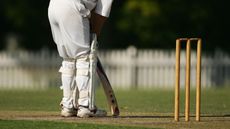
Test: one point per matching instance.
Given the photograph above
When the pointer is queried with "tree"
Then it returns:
(157, 23)
(143, 23)
(27, 19)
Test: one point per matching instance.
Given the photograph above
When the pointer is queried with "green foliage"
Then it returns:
(137, 18)
(143, 23)
(157, 23)
(28, 20)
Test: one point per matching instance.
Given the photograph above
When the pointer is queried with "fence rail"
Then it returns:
(128, 68)
(24, 69)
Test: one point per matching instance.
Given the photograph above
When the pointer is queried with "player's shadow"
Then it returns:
(206, 117)
(143, 116)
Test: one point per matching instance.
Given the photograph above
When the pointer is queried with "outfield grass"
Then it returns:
(28, 100)
(214, 101)
(19, 124)
(140, 108)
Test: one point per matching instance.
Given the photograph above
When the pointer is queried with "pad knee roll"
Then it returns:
(68, 68)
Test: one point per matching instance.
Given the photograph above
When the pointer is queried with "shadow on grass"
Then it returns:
(151, 117)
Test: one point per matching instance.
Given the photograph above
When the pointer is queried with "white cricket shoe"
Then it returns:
(84, 112)
(68, 112)
(65, 112)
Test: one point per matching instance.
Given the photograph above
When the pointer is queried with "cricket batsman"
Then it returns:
(72, 24)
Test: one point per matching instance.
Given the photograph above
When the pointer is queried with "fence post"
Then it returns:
(132, 64)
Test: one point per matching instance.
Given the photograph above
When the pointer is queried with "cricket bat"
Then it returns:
(112, 101)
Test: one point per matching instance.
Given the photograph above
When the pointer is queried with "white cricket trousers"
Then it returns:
(71, 32)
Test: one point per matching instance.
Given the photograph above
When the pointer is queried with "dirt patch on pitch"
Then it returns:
(128, 119)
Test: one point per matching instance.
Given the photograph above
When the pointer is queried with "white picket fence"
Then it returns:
(156, 68)
(128, 68)
(24, 69)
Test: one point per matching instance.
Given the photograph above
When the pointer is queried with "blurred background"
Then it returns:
(137, 44)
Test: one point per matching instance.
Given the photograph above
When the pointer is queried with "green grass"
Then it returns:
(19, 124)
(134, 104)
(214, 101)
(27, 100)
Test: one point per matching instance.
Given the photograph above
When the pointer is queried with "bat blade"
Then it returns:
(112, 101)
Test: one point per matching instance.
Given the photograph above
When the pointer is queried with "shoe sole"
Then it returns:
(66, 114)
(92, 115)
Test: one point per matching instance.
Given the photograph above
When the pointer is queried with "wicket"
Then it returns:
(187, 81)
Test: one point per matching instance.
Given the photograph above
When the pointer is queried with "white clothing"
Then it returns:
(70, 26)
(103, 7)
(75, 70)
(68, 73)
(82, 80)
